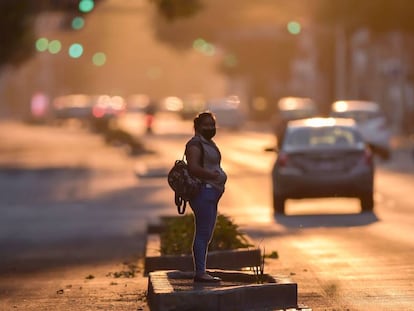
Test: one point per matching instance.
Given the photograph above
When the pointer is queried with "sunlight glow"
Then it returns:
(341, 106)
(318, 122)
(173, 103)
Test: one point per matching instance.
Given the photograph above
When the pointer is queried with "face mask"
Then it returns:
(208, 133)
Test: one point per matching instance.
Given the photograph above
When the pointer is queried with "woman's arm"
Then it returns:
(193, 156)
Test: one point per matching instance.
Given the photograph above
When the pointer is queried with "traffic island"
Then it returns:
(232, 259)
(175, 290)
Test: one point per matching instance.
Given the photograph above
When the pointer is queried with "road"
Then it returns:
(73, 212)
(341, 259)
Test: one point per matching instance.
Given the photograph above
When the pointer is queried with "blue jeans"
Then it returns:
(204, 206)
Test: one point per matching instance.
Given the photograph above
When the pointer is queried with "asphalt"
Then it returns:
(119, 284)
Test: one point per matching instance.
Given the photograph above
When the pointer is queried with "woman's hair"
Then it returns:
(201, 117)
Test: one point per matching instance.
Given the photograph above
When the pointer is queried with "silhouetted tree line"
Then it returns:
(263, 59)
(17, 18)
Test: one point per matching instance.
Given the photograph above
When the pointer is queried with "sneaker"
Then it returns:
(206, 278)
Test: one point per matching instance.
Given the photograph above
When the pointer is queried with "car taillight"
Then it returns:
(98, 112)
(282, 159)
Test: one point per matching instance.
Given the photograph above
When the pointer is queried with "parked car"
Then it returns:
(105, 110)
(138, 103)
(72, 106)
(172, 104)
(323, 157)
(228, 111)
(192, 105)
(106, 107)
(291, 108)
(371, 123)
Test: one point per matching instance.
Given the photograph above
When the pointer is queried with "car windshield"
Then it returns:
(315, 137)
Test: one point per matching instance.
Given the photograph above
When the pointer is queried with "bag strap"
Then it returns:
(179, 201)
(181, 204)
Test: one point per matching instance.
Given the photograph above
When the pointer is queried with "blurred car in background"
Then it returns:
(105, 109)
(39, 108)
(144, 104)
(288, 109)
(106, 106)
(172, 104)
(228, 111)
(323, 157)
(73, 106)
(137, 103)
(371, 123)
(193, 104)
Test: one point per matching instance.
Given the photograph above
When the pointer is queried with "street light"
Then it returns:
(86, 6)
(294, 27)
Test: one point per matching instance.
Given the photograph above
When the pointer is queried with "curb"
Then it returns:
(171, 286)
(175, 290)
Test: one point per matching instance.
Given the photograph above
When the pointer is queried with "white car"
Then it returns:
(228, 111)
(371, 123)
(291, 108)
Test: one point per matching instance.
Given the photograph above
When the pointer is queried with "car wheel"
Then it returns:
(367, 203)
(279, 204)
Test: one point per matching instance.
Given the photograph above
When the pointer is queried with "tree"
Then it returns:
(175, 9)
(250, 37)
(17, 18)
(16, 24)
(379, 17)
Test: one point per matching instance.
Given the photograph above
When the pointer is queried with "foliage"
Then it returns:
(273, 255)
(16, 31)
(378, 15)
(177, 236)
(17, 18)
(259, 270)
(174, 9)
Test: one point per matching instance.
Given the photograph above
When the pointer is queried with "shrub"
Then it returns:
(177, 236)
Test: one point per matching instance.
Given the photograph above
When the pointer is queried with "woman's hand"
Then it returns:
(216, 174)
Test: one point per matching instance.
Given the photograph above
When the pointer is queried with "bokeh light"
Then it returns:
(86, 6)
(154, 73)
(209, 49)
(230, 60)
(294, 28)
(54, 46)
(259, 103)
(42, 44)
(99, 59)
(76, 50)
(204, 47)
(198, 44)
(78, 23)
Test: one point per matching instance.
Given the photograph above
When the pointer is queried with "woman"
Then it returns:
(203, 158)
